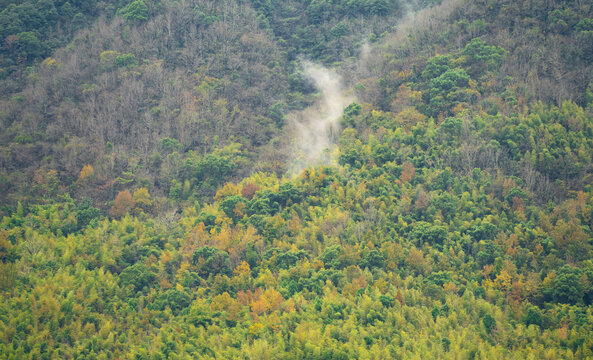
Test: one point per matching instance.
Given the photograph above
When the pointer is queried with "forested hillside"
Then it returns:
(154, 207)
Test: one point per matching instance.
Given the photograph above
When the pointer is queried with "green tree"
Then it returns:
(85, 213)
(489, 323)
(567, 288)
(331, 256)
(137, 276)
(374, 259)
(29, 45)
(448, 82)
(176, 300)
(126, 60)
(212, 261)
(436, 66)
(136, 11)
(229, 204)
(533, 316)
(482, 57)
(432, 234)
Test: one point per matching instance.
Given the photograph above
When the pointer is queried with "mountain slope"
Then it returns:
(449, 217)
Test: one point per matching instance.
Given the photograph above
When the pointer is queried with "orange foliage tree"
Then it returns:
(123, 203)
(408, 172)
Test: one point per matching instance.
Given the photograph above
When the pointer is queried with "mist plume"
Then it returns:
(317, 127)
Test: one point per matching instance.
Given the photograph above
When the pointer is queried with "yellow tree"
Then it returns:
(87, 173)
(142, 200)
